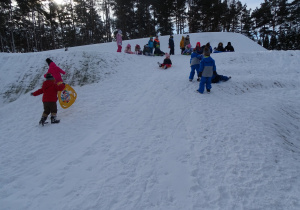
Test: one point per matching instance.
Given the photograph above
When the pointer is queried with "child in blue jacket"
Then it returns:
(195, 63)
(150, 45)
(206, 71)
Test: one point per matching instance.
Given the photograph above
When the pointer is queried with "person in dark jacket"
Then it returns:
(216, 78)
(229, 47)
(206, 71)
(220, 48)
(49, 90)
(167, 62)
(171, 45)
(157, 51)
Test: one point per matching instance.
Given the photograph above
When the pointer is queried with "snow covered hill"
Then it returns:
(139, 137)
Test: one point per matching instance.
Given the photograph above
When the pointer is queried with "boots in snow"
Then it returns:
(42, 121)
(54, 120)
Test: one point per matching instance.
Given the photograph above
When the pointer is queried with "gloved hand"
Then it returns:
(31, 94)
(200, 74)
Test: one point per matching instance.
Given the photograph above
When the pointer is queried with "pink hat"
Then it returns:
(167, 55)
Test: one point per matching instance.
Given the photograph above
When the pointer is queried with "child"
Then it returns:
(220, 48)
(195, 64)
(150, 45)
(206, 71)
(147, 50)
(188, 50)
(138, 50)
(167, 62)
(128, 49)
(119, 41)
(54, 70)
(171, 45)
(198, 48)
(49, 91)
(229, 47)
(157, 51)
(217, 78)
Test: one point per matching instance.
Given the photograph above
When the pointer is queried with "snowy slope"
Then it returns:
(139, 137)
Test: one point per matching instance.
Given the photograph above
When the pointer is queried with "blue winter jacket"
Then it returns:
(150, 44)
(207, 67)
(195, 58)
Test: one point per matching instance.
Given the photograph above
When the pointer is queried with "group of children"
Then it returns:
(202, 63)
(50, 87)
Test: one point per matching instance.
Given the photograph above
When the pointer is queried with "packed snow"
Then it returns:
(140, 137)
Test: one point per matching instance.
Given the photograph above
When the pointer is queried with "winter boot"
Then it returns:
(43, 120)
(54, 120)
(165, 67)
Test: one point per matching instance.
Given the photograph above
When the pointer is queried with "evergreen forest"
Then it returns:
(39, 25)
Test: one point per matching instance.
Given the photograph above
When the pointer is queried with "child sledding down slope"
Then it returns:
(167, 62)
(188, 50)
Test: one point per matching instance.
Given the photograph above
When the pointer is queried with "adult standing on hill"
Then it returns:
(119, 40)
(171, 45)
(54, 70)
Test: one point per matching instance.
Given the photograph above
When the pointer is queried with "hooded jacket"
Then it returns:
(207, 67)
(55, 71)
(49, 91)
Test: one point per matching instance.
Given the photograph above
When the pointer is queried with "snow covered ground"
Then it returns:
(139, 137)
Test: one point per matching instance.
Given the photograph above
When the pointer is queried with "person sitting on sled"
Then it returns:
(157, 51)
(167, 62)
(188, 50)
(229, 47)
(128, 49)
(54, 70)
(147, 50)
(220, 48)
(138, 50)
(49, 90)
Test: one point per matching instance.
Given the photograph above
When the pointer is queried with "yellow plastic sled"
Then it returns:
(67, 97)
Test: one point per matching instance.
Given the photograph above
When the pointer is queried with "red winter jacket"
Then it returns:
(55, 71)
(49, 89)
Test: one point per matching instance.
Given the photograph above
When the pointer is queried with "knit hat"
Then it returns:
(206, 51)
(48, 60)
(49, 76)
(167, 55)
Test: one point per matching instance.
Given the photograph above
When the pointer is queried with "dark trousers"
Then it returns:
(172, 51)
(50, 107)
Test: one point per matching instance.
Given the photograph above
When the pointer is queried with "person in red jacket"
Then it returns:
(49, 91)
(54, 70)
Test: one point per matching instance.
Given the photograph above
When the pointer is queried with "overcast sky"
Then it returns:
(254, 3)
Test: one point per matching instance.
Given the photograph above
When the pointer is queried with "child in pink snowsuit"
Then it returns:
(54, 70)
(119, 40)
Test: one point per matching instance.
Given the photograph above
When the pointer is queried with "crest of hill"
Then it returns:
(240, 42)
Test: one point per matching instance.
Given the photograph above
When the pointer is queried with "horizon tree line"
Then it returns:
(38, 25)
